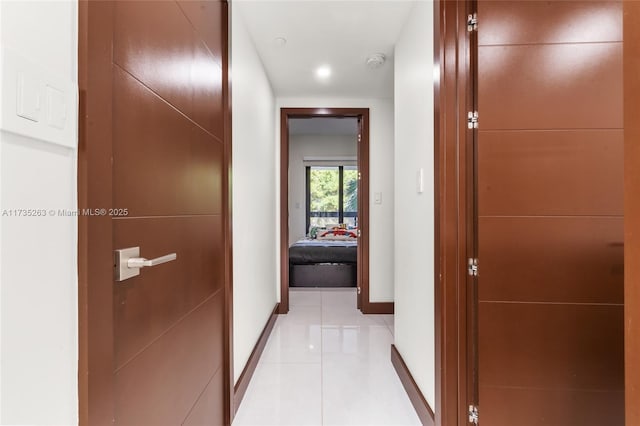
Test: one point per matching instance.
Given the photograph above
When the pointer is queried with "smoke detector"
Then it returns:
(280, 41)
(376, 60)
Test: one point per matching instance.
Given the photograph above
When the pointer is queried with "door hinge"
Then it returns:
(472, 22)
(472, 119)
(474, 416)
(359, 233)
(359, 290)
(359, 176)
(472, 267)
(359, 137)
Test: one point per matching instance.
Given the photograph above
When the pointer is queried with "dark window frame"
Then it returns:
(340, 214)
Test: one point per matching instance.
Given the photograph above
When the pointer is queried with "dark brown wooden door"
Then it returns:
(632, 209)
(550, 213)
(154, 147)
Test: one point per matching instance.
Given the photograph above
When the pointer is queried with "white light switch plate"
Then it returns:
(56, 108)
(377, 196)
(28, 99)
(36, 103)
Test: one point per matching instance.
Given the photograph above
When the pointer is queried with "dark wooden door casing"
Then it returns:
(363, 201)
(452, 97)
(154, 139)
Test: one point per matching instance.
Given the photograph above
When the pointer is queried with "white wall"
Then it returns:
(38, 268)
(1, 422)
(301, 146)
(381, 180)
(254, 197)
(414, 219)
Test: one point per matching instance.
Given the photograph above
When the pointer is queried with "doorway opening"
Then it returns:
(336, 204)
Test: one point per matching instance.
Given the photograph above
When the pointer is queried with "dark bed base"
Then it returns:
(322, 275)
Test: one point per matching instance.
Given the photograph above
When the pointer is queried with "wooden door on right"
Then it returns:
(550, 238)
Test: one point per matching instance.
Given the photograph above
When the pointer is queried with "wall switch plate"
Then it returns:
(28, 96)
(377, 196)
(37, 103)
(56, 108)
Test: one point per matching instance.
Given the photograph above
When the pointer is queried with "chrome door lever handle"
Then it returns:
(127, 262)
(140, 262)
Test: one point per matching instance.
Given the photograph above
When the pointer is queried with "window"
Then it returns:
(332, 195)
(350, 195)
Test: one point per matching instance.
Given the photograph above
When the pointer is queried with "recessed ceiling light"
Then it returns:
(280, 41)
(323, 72)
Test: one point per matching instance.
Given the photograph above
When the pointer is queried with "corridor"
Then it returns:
(326, 363)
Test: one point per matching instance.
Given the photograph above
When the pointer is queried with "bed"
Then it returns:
(324, 262)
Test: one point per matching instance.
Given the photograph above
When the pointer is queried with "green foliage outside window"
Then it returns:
(324, 189)
(350, 179)
(324, 195)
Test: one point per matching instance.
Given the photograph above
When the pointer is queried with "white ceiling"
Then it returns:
(323, 126)
(340, 34)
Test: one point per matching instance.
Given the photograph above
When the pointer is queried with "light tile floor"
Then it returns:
(327, 364)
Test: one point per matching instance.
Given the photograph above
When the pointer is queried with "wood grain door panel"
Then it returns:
(584, 80)
(209, 408)
(552, 346)
(158, 45)
(552, 259)
(565, 407)
(159, 152)
(549, 182)
(201, 13)
(535, 22)
(168, 173)
(154, 301)
(576, 171)
(632, 210)
(163, 163)
(162, 383)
